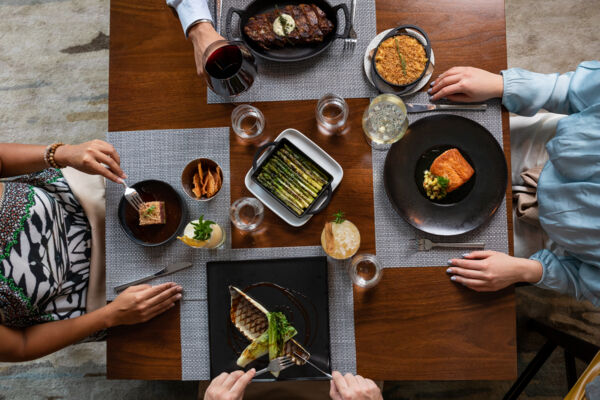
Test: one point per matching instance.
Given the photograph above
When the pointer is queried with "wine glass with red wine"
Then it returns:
(229, 68)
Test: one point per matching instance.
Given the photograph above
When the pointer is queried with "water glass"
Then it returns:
(247, 122)
(365, 270)
(385, 121)
(246, 213)
(332, 115)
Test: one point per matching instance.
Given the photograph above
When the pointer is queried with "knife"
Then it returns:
(169, 269)
(415, 108)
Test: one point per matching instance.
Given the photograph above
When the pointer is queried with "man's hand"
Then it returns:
(202, 35)
(467, 84)
(486, 271)
(350, 387)
(229, 386)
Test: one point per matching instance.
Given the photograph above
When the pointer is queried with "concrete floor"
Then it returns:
(54, 86)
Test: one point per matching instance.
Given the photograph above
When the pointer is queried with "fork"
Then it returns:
(277, 365)
(133, 197)
(352, 38)
(426, 245)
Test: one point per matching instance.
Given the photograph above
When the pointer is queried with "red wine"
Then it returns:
(230, 70)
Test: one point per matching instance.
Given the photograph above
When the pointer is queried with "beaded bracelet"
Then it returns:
(49, 155)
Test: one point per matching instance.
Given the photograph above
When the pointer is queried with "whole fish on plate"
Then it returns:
(269, 332)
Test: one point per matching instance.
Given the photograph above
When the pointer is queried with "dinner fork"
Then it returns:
(352, 38)
(426, 245)
(133, 197)
(277, 365)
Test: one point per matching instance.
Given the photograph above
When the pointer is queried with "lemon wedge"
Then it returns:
(192, 242)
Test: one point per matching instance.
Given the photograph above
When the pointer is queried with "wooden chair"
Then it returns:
(573, 348)
(577, 392)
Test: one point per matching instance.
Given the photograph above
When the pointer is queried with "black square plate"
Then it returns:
(295, 286)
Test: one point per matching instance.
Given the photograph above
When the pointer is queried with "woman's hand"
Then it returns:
(486, 271)
(141, 303)
(351, 387)
(202, 35)
(93, 158)
(229, 386)
(467, 84)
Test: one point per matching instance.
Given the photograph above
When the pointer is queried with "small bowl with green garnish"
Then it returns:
(401, 59)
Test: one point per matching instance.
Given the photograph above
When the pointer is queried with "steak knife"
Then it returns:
(169, 269)
(416, 108)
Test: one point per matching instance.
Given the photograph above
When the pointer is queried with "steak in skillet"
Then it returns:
(311, 27)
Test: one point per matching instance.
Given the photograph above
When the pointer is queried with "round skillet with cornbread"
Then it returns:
(470, 204)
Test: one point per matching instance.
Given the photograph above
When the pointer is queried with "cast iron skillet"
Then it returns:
(288, 53)
(464, 209)
(326, 191)
(383, 85)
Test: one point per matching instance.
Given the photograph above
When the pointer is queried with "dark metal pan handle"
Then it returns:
(259, 152)
(329, 191)
(347, 24)
(228, 20)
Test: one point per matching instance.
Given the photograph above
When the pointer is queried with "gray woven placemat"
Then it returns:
(336, 70)
(195, 352)
(163, 155)
(396, 240)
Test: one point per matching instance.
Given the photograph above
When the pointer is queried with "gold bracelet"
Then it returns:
(49, 155)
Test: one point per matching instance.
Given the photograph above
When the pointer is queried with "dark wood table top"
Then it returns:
(416, 324)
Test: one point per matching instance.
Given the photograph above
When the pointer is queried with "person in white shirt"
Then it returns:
(198, 26)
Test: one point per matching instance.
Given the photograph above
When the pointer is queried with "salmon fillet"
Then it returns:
(452, 165)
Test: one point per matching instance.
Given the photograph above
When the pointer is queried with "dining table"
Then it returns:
(416, 324)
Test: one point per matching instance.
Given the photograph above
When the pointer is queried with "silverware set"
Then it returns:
(280, 363)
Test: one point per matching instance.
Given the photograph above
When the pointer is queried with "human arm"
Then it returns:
(523, 92)
(229, 386)
(487, 270)
(197, 25)
(18, 159)
(353, 387)
(136, 304)
(569, 275)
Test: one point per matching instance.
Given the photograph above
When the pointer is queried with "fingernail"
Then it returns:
(124, 175)
(453, 278)
(450, 262)
(465, 255)
(430, 98)
(449, 271)
(178, 296)
(121, 181)
(429, 91)
(179, 288)
(432, 83)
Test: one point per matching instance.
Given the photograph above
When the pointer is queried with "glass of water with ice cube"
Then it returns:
(385, 121)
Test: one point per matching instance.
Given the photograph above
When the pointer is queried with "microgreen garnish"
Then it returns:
(339, 217)
(149, 211)
(202, 229)
(402, 62)
(443, 181)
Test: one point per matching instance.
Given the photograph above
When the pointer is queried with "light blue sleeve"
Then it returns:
(190, 11)
(526, 92)
(569, 275)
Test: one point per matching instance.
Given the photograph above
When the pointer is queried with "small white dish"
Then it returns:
(373, 44)
(317, 154)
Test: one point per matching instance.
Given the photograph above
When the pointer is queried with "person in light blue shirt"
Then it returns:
(569, 184)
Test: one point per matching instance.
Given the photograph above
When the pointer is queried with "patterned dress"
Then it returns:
(45, 251)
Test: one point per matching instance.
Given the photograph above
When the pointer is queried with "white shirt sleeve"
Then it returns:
(190, 11)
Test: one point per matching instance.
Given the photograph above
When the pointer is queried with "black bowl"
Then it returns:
(381, 83)
(153, 235)
(466, 208)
